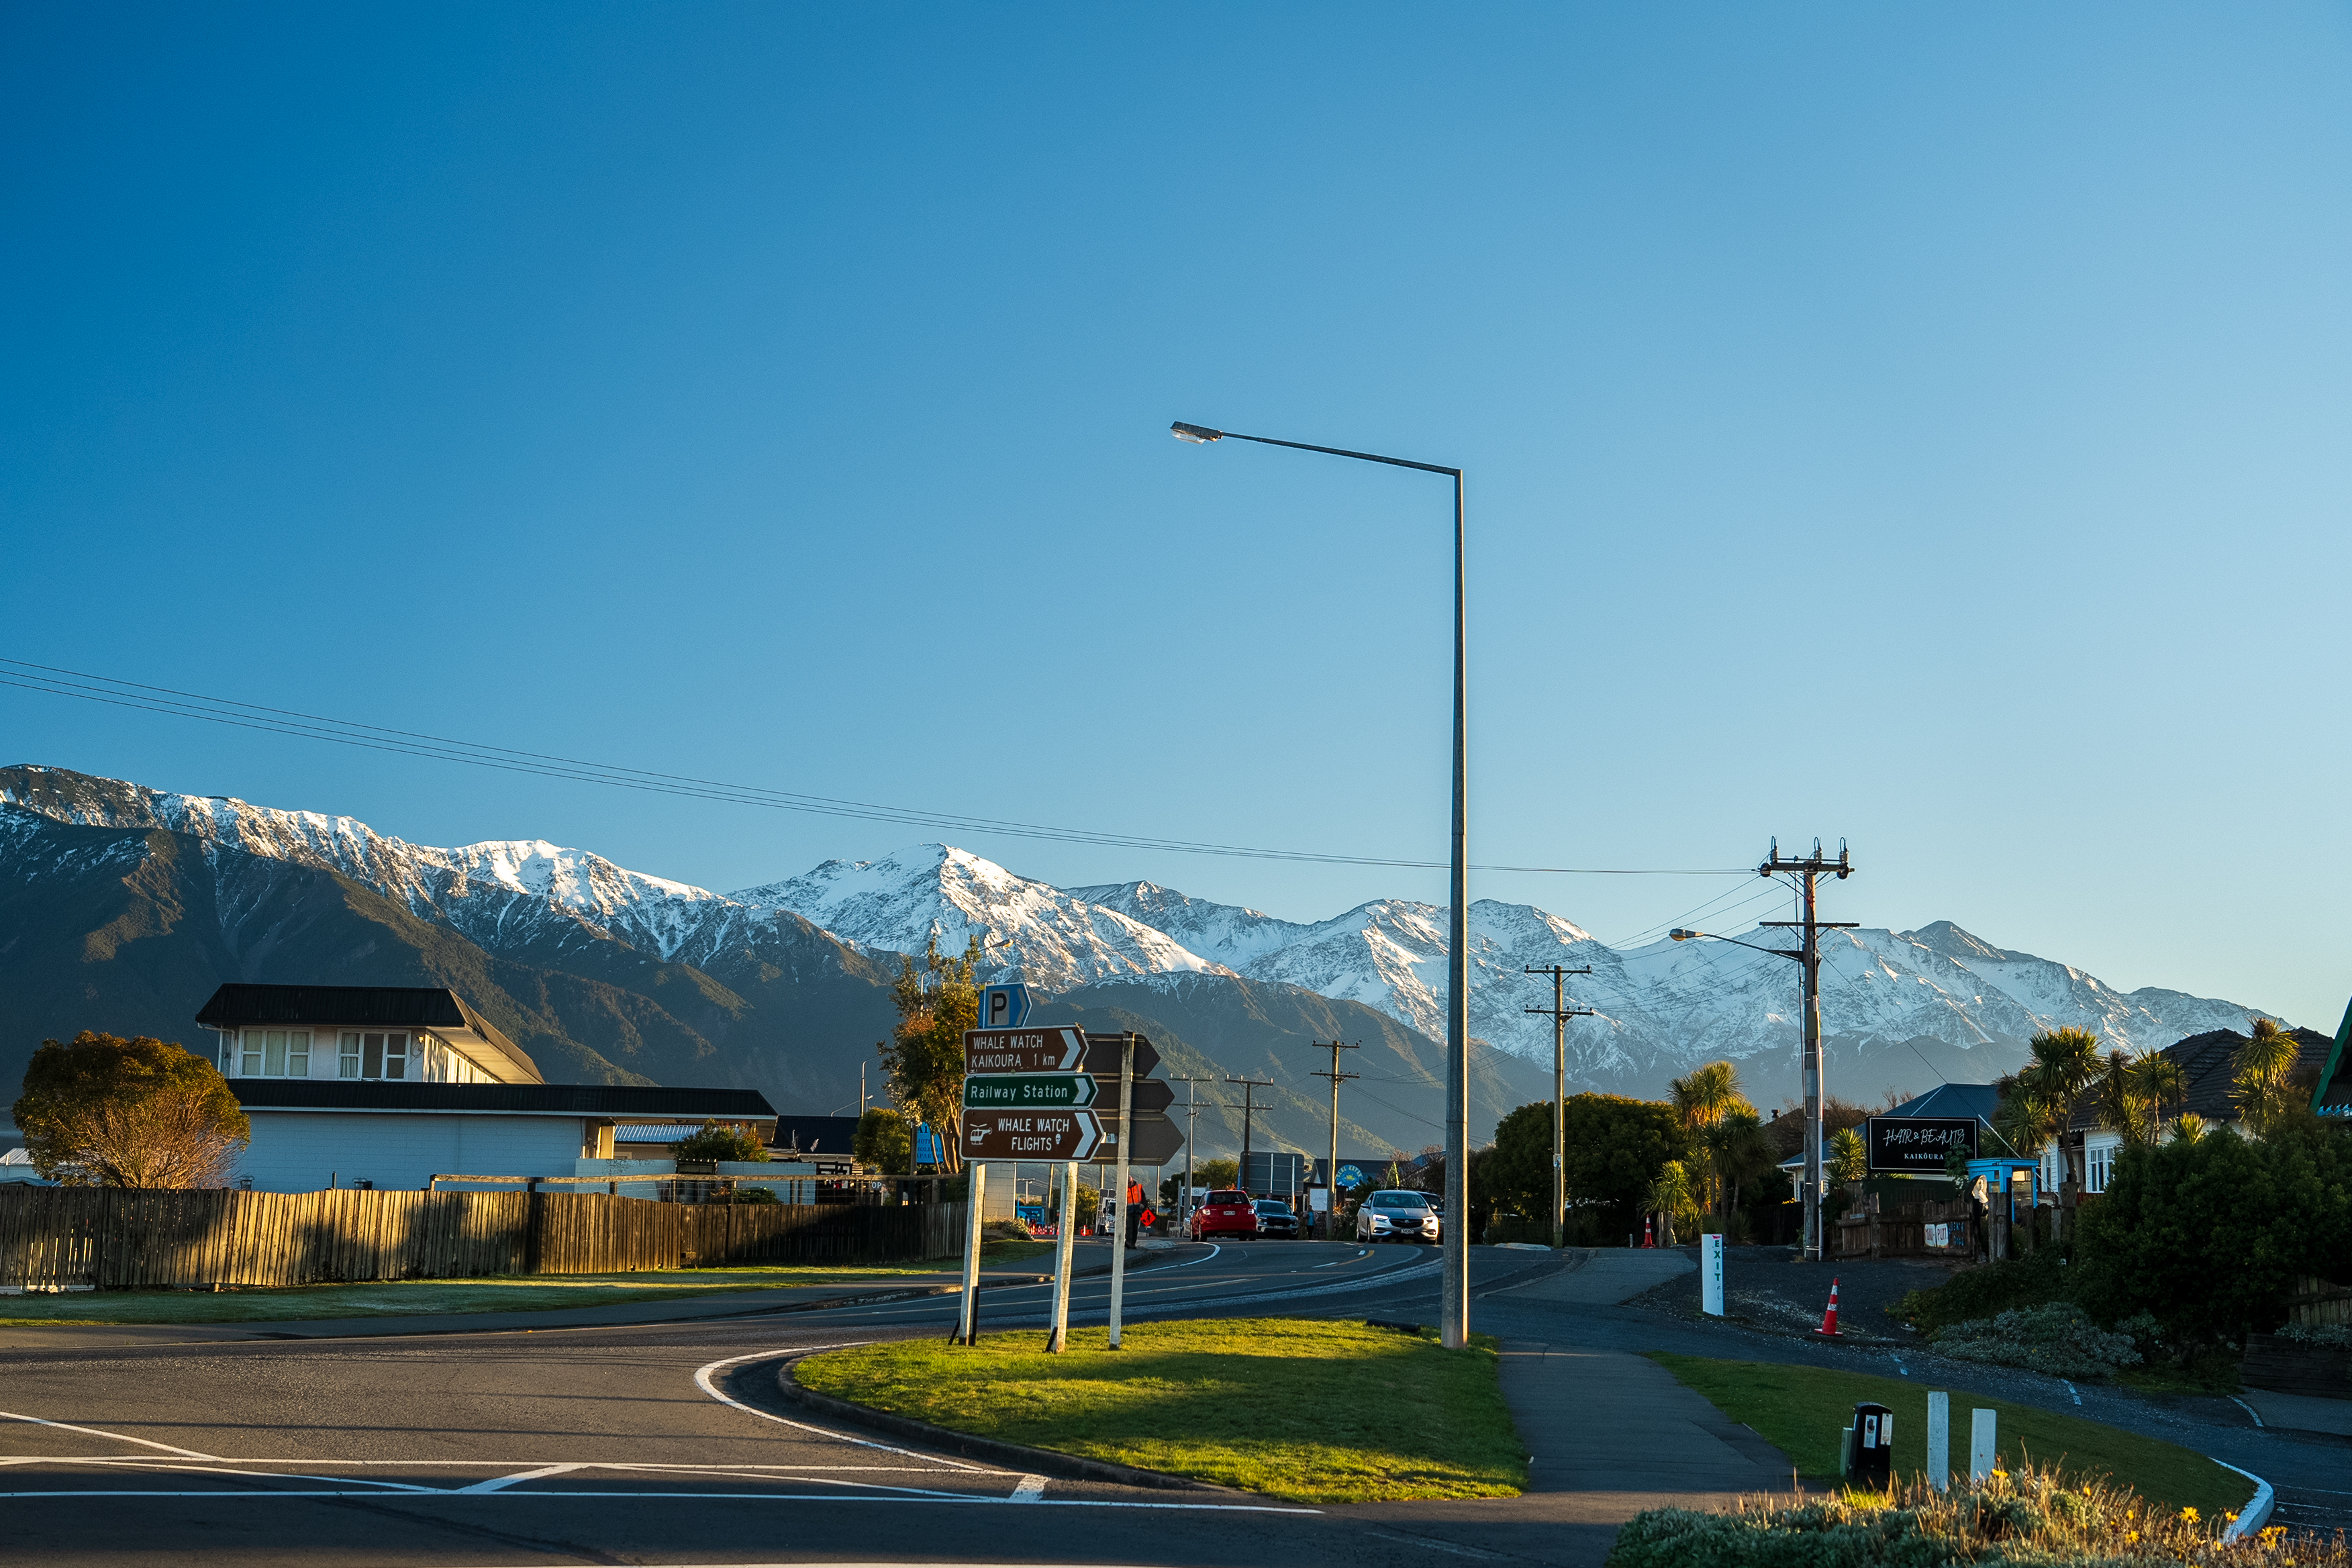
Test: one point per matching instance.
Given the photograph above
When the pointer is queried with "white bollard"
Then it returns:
(1939, 1441)
(1982, 1441)
(1710, 1275)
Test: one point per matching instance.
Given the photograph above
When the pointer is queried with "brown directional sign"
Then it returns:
(1150, 1093)
(1157, 1140)
(1103, 1052)
(1031, 1134)
(1025, 1051)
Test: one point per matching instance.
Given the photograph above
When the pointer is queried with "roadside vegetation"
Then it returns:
(403, 1298)
(2023, 1517)
(1800, 1410)
(1310, 1412)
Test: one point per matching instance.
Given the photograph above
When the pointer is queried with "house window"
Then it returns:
(273, 1053)
(2099, 1166)
(365, 1054)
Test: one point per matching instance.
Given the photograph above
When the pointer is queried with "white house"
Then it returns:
(389, 1087)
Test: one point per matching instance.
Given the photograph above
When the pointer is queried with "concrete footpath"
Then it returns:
(1609, 1434)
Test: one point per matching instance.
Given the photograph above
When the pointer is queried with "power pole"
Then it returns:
(1807, 871)
(1250, 1087)
(1191, 1110)
(1560, 1015)
(1331, 1171)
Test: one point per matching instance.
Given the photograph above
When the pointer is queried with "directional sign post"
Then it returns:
(992, 1051)
(1068, 1090)
(1003, 1006)
(1040, 1135)
(1157, 1139)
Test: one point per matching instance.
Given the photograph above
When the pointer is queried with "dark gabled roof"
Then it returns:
(435, 1007)
(615, 1101)
(815, 1135)
(2210, 1062)
(1953, 1101)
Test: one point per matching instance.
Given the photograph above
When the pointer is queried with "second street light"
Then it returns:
(1455, 1314)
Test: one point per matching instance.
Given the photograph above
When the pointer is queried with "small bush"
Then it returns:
(2024, 1518)
(1987, 1290)
(2057, 1338)
(2327, 1336)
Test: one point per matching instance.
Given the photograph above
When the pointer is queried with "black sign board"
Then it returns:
(1916, 1145)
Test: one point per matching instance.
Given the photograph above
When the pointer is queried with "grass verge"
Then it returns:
(1310, 1412)
(1801, 1409)
(404, 1297)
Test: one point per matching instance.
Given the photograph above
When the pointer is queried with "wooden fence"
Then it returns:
(107, 1238)
(1904, 1231)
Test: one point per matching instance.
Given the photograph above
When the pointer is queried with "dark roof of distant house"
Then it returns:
(1954, 1101)
(435, 1007)
(2209, 1061)
(815, 1135)
(617, 1103)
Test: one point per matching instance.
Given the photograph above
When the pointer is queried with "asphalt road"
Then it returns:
(670, 1443)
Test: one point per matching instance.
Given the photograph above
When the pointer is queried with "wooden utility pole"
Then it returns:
(1192, 1111)
(1331, 1171)
(1560, 1015)
(1807, 871)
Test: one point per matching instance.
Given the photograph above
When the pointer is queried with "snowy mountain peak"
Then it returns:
(935, 893)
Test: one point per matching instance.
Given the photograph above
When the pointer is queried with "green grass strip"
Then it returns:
(403, 1298)
(1309, 1412)
(1800, 1410)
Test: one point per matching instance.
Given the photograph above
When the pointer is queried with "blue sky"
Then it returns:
(1923, 427)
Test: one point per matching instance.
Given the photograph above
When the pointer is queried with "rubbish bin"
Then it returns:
(1872, 1453)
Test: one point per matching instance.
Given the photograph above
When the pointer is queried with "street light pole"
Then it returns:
(1455, 1311)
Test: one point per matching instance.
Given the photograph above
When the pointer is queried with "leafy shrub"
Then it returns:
(2023, 1518)
(714, 1142)
(2057, 1338)
(2211, 1237)
(1987, 1290)
(2327, 1336)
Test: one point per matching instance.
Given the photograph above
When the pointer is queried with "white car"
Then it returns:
(1397, 1216)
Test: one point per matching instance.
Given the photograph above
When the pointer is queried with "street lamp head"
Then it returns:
(1199, 435)
(1681, 935)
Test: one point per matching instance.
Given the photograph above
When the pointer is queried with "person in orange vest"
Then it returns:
(1134, 1209)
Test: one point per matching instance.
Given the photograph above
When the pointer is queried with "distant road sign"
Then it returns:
(1157, 1139)
(1150, 1093)
(1350, 1177)
(1103, 1053)
(1030, 1134)
(1024, 1050)
(1040, 1091)
(1003, 1006)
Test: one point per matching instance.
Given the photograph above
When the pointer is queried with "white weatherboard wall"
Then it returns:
(299, 1151)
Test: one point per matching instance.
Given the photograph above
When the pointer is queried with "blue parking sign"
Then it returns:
(1003, 1006)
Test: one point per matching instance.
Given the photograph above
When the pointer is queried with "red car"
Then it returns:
(1227, 1214)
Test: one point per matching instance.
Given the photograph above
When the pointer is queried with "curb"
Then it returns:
(1013, 1456)
(2256, 1512)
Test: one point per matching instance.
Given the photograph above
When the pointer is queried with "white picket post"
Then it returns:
(1939, 1441)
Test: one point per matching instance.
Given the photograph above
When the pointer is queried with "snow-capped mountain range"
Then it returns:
(1659, 1008)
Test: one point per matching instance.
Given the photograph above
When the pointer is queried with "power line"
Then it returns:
(57, 682)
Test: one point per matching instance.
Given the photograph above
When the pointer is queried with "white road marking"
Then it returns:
(2073, 1390)
(2247, 1408)
(94, 1432)
(702, 1381)
(500, 1483)
(984, 1500)
(1031, 1489)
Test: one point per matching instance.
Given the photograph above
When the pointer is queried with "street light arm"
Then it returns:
(1681, 935)
(1201, 435)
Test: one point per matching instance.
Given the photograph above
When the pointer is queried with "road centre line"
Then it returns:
(117, 1437)
(500, 1483)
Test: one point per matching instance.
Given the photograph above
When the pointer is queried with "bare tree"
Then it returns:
(172, 1138)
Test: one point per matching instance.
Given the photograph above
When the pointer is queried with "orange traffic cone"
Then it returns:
(1828, 1318)
(1647, 1239)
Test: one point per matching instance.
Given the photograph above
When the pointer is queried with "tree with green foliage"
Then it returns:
(1671, 1199)
(1848, 1161)
(1517, 1172)
(716, 1141)
(1616, 1148)
(102, 1111)
(1706, 1099)
(924, 1055)
(2263, 1065)
(2211, 1233)
(883, 1141)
